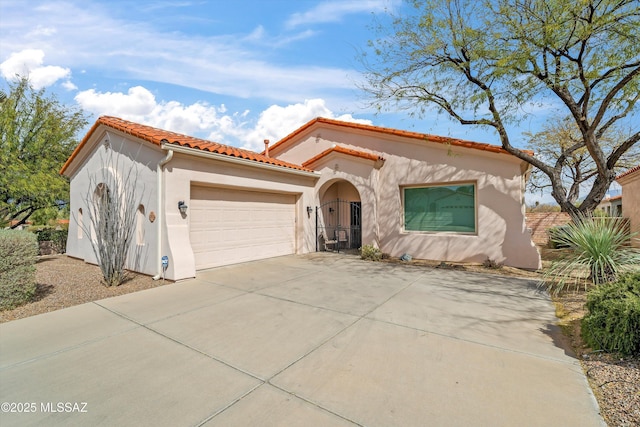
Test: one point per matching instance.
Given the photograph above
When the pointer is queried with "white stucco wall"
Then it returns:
(180, 173)
(501, 234)
(631, 203)
(128, 153)
(183, 171)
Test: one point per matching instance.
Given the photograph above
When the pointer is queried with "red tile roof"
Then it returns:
(397, 132)
(612, 198)
(629, 172)
(158, 136)
(343, 150)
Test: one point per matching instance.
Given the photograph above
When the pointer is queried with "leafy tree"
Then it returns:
(37, 135)
(483, 62)
(558, 143)
(44, 216)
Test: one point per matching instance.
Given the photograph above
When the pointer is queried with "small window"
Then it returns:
(436, 208)
(80, 223)
(101, 210)
(140, 225)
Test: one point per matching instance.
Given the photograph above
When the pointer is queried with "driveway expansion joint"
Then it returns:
(154, 331)
(315, 374)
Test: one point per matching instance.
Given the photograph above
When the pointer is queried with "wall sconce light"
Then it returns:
(182, 207)
(331, 210)
(309, 210)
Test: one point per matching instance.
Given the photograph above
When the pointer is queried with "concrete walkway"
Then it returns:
(315, 340)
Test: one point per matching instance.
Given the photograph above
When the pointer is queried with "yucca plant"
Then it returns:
(599, 252)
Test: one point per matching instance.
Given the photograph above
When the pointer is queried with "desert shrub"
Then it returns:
(613, 321)
(112, 199)
(58, 238)
(18, 251)
(554, 233)
(492, 264)
(371, 253)
(598, 253)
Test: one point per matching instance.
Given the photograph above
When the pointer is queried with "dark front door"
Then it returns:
(355, 229)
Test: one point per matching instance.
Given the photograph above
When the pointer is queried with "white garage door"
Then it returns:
(229, 226)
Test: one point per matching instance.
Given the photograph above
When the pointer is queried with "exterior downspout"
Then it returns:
(160, 218)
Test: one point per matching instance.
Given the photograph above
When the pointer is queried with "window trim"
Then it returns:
(440, 184)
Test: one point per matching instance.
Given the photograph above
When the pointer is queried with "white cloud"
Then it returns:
(89, 35)
(140, 105)
(277, 122)
(42, 31)
(69, 86)
(336, 10)
(29, 63)
(203, 120)
(135, 104)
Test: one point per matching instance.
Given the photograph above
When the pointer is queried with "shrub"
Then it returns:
(554, 233)
(18, 251)
(598, 253)
(112, 199)
(492, 264)
(613, 321)
(371, 253)
(58, 238)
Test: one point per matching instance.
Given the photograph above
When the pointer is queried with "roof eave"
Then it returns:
(377, 160)
(629, 174)
(393, 132)
(76, 151)
(236, 160)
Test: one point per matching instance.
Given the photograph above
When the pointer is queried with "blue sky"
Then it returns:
(233, 71)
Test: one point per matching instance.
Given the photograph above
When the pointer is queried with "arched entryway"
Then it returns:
(339, 218)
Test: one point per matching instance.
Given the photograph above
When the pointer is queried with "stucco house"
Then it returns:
(330, 185)
(611, 206)
(630, 183)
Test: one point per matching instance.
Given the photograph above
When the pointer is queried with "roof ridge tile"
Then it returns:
(344, 150)
(390, 131)
(158, 136)
(628, 172)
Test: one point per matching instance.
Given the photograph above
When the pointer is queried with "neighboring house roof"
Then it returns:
(395, 132)
(160, 136)
(343, 150)
(612, 199)
(629, 172)
(17, 221)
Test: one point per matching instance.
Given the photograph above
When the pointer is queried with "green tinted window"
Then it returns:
(440, 208)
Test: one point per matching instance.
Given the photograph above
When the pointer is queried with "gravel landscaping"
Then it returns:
(65, 282)
(615, 380)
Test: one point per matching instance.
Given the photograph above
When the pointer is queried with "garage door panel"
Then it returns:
(230, 226)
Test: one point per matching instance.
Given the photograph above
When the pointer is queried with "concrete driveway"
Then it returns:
(315, 340)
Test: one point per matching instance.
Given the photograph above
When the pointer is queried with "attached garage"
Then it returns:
(229, 226)
(245, 206)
